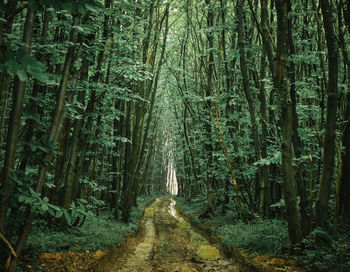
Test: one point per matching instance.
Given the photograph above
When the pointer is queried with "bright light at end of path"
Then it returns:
(171, 183)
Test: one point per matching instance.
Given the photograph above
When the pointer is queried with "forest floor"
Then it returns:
(165, 242)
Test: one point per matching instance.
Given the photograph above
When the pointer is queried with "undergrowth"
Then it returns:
(265, 236)
(325, 253)
(320, 253)
(259, 236)
(98, 232)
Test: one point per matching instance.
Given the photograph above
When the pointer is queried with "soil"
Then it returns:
(165, 242)
(168, 244)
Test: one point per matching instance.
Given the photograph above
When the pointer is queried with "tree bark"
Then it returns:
(305, 213)
(321, 215)
(52, 137)
(289, 186)
(208, 129)
(14, 125)
(265, 195)
(248, 94)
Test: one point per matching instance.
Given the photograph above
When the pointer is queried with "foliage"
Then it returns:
(98, 232)
(192, 208)
(262, 236)
(100, 99)
(322, 253)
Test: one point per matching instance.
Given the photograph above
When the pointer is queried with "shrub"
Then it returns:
(98, 232)
(321, 253)
(262, 236)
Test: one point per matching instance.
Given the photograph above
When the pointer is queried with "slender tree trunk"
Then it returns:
(14, 125)
(70, 180)
(265, 195)
(52, 137)
(154, 92)
(247, 92)
(321, 215)
(289, 185)
(299, 176)
(208, 129)
(115, 161)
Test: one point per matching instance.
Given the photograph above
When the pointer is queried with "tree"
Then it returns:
(323, 195)
(289, 185)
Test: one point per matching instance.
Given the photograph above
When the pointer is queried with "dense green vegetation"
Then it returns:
(98, 232)
(247, 102)
(269, 237)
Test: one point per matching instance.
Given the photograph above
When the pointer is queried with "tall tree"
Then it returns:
(321, 216)
(19, 87)
(289, 185)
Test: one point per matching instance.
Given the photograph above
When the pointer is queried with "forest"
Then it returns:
(239, 109)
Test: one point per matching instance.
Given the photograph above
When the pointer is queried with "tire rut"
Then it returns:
(170, 245)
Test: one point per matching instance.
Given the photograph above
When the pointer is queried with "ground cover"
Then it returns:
(265, 243)
(57, 247)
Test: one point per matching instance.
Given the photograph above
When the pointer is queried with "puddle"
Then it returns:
(203, 248)
(149, 212)
(208, 252)
(172, 209)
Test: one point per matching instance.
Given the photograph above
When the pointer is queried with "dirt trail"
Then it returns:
(169, 244)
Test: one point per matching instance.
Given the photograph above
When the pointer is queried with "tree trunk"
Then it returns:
(265, 195)
(14, 125)
(289, 186)
(248, 94)
(52, 137)
(305, 213)
(321, 215)
(73, 150)
(208, 129)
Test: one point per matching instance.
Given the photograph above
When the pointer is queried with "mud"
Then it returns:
(167, 243)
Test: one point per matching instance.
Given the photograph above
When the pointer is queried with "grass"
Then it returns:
(98, 232)
(322, 252)
(259, 236)
(265, 236)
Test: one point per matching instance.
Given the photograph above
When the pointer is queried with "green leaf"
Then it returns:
(82, 200)
(279, 204)
(44, 207)
(41, 77)
(94, 6)
(22, 198)
(22, 75)
(32, 147)
(52, 212)
(54, 207)
(59, 214)
(43, 148)
(68, 216)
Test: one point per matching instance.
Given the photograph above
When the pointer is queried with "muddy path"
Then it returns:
(166, 242)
